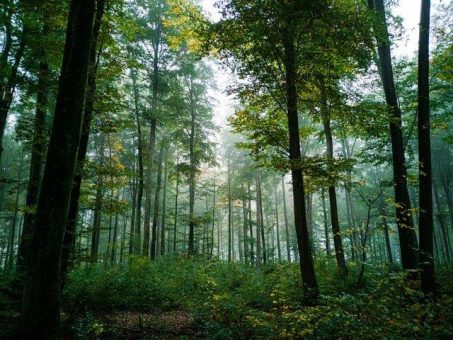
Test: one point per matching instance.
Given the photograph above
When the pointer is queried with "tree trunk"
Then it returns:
(230, 213)
(96, 232)
(157, 202)
(40, 312)
(310, 285)
(285, 213)
(387, 237)
(440, 219)
(192, 170)
(426, 225)
(133, 191)
(252, 255)
(337, 241)
(164, 210)
(152, 143)
(279, 252)
(69, 236)
(135, 237)
(38, 150)
(406, 232)
(326, 226)
(245, 227)
(175, 225)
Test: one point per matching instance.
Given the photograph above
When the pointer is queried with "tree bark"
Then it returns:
(310, 285)
(40, 312)
(157, 202)
(69, 236)
(285, 213)
(426, 225)
(337, 240)
(404, 220)
(164, 209)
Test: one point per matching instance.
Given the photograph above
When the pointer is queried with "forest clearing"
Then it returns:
(231, 169)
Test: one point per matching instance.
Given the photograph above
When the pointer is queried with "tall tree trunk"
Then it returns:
(252, 255)
(326, 225)
(245, 227)
(157, 202)
(40, 312)
(152, 142)
(310, 285)
(115, 233)
(69, 236)
(406, 232)
(96, 232)
(230, 214)
(279, 251)
(37, 158)
(285, 213)
(164, 209)
(133, 191)
(337, 241)
(175, 224)
(136, 235)
(192, 170)
(426, 225)
(259, 221)
(214, 203)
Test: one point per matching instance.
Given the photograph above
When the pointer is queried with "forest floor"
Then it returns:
(177, 298)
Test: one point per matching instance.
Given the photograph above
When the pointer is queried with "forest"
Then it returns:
(226, 169)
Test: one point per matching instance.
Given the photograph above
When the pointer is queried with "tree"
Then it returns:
(407, 237)
(40, 312)
(424, 153)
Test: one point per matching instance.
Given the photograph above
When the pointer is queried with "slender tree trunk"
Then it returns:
(326, 225)
(152, 142)
(426, 225)
(337, 240)
(192, 170)
(175, 225)
(230, 215)
(136, 236)
(96, 232)
(285, 213)
(440, 219)
(406, 232)
(157, 202)
(133, 191)
(279, 252)
(387, 237)
(214, 203)
(164, 210)
(310, 285)
(252, 255)
(245, 227)
(40, 312)
(259, 221)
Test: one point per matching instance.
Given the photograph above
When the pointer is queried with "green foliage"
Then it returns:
(238, 301)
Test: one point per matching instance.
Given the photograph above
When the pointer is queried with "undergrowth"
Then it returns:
(233, 300)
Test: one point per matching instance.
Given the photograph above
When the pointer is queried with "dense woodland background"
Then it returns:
(324, 209)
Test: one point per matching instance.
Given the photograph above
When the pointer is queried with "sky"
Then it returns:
(409, 10)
